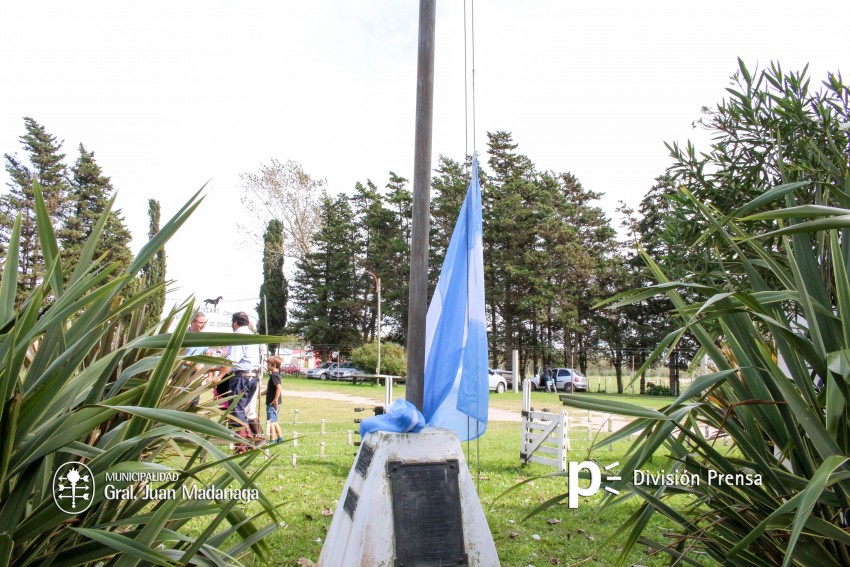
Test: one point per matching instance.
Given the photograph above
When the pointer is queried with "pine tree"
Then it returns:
(89, 195)
(45, 165)
(395, 269)
(274, 291)
(153, 273)
(327, 290)
(510, 227)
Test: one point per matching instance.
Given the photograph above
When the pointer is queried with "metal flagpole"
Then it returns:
(418, 294)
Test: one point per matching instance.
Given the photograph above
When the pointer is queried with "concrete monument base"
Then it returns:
(409, 501)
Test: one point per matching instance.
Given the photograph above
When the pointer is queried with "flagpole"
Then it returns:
(418, 293)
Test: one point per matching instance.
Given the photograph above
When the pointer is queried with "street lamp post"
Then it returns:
(378, 331)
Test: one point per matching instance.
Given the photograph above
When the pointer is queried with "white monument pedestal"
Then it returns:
(417, 484)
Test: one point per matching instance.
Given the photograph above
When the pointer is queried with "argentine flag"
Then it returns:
(456, 381)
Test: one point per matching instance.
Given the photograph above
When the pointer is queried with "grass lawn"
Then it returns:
(308, 491)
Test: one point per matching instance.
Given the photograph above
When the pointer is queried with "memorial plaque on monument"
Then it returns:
(364, 459)
(426, 514)
(350, 504)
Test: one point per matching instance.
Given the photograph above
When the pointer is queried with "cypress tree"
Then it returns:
(153, 273)
(274, 291)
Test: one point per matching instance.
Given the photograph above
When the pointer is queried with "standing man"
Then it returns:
(199, 321)
(241, 375)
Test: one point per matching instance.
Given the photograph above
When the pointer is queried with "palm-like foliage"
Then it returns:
(780, 393)
(82, 380)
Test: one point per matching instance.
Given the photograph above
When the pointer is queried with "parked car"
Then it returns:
(497, 383)
(290, 369)
(566, 380)
(508, 375)
(322, 372)
(346, 371)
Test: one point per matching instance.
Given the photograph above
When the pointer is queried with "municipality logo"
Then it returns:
(575, 489)
(73, 488)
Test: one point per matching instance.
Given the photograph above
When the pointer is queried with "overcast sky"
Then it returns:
(170, 95)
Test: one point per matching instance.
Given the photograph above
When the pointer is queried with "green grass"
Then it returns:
(307, 493)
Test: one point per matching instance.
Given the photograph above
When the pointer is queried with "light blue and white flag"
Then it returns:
(456, 381)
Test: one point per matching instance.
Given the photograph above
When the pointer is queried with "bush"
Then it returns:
(393, 358)
(653, 390)
(769, 303)
(82, 381)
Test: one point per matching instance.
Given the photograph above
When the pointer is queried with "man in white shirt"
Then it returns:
(241, 376)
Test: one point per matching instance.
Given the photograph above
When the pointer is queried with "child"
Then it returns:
(274, 393)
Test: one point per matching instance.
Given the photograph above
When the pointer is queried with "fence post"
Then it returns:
(294, 438)
(589, 422)
(294, 460)
(350, 437)
(323, 426)
(322, 449)
(295, 416)
(563, 442)
(526, 395)
(515, 369)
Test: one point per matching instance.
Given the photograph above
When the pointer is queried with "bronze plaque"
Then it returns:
(426, 514)
(364, 459)
(350, 503)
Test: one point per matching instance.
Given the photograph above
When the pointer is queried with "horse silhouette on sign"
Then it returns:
(213, 302)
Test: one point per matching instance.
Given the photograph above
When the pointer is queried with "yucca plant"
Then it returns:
(81, 381)
(776, 402)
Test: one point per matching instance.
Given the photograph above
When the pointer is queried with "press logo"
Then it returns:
(574, 489)
(73, 488)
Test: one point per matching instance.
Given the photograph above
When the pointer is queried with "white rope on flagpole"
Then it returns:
(466, 102)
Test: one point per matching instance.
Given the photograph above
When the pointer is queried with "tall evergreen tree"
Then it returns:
(596, 244)
(45, 165)
(510, 232)
(274, 291)
(153, 273)
(395, 272)
(374, 223)
(448, 189)
(327, 289)
(89, 195)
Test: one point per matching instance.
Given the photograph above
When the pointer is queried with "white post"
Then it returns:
(526, 395)
(323, 426)
(294, 460)
(515, 369)
(388, 391)
(294, 438)
(322, 449)
(378, 323)
(350, 437)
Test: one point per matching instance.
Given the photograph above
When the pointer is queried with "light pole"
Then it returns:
(378, 331)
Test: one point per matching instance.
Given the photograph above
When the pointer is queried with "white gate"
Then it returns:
(544, 435)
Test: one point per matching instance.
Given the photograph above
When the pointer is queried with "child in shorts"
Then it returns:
(274, 394)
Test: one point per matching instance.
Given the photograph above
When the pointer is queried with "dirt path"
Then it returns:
(578, 418)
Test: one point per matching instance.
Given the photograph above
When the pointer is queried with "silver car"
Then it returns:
(566, 380)
(497, 383)
(322, 372)
(346, 371)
